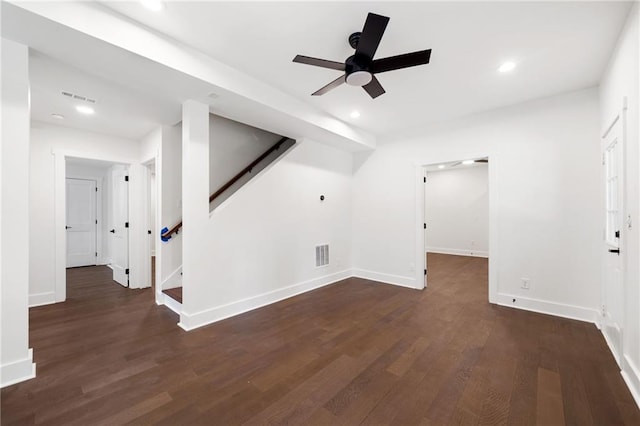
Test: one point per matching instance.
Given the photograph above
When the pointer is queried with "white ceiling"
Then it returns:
(558, 46)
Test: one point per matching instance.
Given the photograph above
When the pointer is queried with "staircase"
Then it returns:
(173, 296)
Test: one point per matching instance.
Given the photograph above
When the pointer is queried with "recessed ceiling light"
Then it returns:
(355, 114)
(155, 5)
(468, 161)
(507, 66)
(441, 166)
(84, 109)
(58, 116)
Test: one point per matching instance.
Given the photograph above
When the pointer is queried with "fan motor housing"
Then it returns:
(356, 73)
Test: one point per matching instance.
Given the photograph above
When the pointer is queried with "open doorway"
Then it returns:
(456, 219)
(96, 216)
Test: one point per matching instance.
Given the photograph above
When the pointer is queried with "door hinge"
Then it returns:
(126, 178)
(96, 221)
(425, 272)
(149, 231)
(96, 254)
(617, 234)
(425, 226)
(425, 179)
(126, 224)
(126, 271)
(96, 189)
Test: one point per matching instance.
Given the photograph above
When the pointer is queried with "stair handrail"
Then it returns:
(166, 234)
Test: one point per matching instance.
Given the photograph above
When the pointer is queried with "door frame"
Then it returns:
(619, 119)
(59, 195)
(420, 257)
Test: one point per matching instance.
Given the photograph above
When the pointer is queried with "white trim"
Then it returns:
(612, 338)
(457, 252)
(191, 321)
(631, 375)
(40, 299)
(174, 280)
(171, 303)
(549, 308)
(18, 371)
(398, 280)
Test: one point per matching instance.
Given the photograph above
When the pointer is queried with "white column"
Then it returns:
(15, 356)
(195, 202)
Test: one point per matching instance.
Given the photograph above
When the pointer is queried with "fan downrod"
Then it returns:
(354, 39)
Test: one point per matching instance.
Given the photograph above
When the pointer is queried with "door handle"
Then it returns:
(67, 227)
(615, 251)
(113, 231)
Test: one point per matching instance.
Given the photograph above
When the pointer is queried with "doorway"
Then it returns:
(613, 303)
(456, 216)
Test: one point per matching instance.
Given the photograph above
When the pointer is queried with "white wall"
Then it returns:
(233, 146)
(16, 360)
(621, 80)
(47, 143)
(457, 211)
(260, 244)
(545, 201)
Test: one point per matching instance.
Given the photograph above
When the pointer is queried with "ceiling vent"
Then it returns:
(78, 97)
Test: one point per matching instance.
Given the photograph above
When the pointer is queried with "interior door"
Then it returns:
(613, 288)
(81, 228)
(120, 225)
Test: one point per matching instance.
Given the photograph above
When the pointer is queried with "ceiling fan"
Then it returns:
(360, 67)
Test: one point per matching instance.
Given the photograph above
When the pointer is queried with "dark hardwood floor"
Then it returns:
(355, 352)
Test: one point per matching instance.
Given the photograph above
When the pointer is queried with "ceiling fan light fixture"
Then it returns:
(467, 162)
(359, 78)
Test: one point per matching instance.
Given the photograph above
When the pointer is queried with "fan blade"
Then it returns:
(482, 160)
(401, 61)
(374, 88)
(335, 83)
(319, 62)
(370, 38)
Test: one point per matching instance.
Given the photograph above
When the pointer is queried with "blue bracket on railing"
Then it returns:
(162, 231)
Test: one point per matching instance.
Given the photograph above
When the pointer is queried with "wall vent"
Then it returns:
(78, 97)
(322, 255)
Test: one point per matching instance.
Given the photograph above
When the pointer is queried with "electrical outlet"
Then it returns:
(526, 283)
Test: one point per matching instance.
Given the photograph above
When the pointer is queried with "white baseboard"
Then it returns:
(192, 321)
(174, 280)
(631, 375)
(18, 371)
(41, 299)
(172, 304)
(458, 252)
(550, 308)
(398, 280)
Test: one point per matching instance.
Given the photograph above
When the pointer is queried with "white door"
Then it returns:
(613, 290)
(120, 225)
(81, 222)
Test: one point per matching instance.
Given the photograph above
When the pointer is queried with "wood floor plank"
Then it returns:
(356, 352)
(549, 410)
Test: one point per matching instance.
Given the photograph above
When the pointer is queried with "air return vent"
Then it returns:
(322, 255)
(78, 97)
